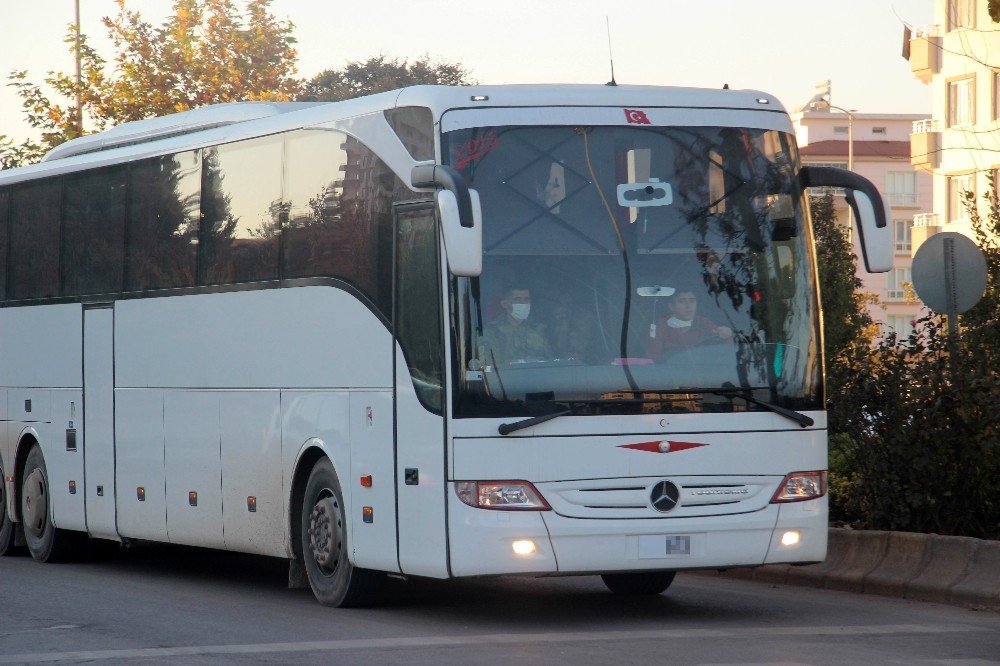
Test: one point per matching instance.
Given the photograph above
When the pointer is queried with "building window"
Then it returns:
(901, 188)
(840, 129)
(996, 94)
(957, 187)
(901, 326)
(901, 235)
(962, 102)
(898, 277)
(961, 14)
(879, 130)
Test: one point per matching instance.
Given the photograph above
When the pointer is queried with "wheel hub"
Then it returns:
(34, 503)
(325, 528)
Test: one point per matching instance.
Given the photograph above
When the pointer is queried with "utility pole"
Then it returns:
(79, 77)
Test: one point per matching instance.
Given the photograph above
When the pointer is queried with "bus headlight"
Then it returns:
(502, 495)
(801, 486)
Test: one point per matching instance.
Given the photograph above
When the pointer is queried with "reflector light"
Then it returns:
(524, 547)
(479, 98)
(501, 495)
(366, 481)
(800, 486)
(367, 514)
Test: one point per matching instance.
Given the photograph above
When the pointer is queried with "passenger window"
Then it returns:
(163, 211)
(94, 232)
(242, 212)
(34, 237)
(4, 217)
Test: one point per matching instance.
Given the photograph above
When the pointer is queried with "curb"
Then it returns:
(961, 571)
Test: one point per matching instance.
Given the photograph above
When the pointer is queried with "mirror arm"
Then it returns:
(816, 176)
(438, 175)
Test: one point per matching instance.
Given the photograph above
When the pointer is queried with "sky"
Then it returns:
(780, 46)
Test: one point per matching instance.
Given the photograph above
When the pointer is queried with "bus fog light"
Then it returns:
(524, 547)
(790, 538)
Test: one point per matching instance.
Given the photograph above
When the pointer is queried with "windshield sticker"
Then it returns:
(641, 195)
(475, 148)
(635, 117)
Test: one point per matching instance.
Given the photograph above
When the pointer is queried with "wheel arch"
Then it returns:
(312, 452)
(27, 439)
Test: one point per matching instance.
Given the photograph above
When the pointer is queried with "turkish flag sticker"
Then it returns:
(636, 117)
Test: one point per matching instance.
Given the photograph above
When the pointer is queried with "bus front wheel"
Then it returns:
(636, 584)
(333, 579)
(46, 543)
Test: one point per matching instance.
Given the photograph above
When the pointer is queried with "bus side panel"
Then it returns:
(423, 539)
(251, 485)
(193, 466)
(373, 541)
(142, 511)
(41, 351)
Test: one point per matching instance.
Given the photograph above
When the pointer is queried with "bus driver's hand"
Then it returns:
(724, 333)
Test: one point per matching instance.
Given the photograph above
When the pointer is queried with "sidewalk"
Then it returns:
(927, 567)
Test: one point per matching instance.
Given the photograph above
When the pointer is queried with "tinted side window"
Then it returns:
(35, 239)
(241, 212)
(94, 232)
(163, 210)
(414, 125)
(4, 230)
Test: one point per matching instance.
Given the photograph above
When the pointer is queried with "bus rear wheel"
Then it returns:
(46, 543)
(332, 577)
(638, 584)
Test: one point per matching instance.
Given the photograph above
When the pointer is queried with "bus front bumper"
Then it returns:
(487, 542)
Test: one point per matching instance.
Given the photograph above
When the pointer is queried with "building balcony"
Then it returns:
(925, 225)
(925, 52)
(902, 199)
(925, 144)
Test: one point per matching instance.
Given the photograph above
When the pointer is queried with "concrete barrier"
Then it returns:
(927, 567)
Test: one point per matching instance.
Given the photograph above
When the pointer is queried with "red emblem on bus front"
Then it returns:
(664, 446)
(635, 117)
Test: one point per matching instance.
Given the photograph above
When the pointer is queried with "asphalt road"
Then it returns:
(158, 604)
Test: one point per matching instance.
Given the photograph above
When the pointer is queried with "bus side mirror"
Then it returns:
(870, 212)
(460, 214)
(463, 245)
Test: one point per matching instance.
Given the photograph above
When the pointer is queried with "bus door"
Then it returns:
(99, 418)
(418, 330)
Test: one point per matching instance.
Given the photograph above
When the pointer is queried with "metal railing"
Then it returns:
(902, 199)
(929, 30)
(927, 220)
(926, 125)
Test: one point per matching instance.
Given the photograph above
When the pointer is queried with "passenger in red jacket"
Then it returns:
(684, 328)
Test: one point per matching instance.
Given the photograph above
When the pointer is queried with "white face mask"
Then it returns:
(520, 311)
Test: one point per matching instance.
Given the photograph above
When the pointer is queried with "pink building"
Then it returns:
(881, 147)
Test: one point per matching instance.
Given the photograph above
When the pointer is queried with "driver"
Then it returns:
(514, 335)
(684, 328)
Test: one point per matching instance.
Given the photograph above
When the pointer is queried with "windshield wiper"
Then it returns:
(507, 428)
(798, 417)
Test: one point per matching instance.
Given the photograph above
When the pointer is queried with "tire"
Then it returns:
(333, 579)
(7, 527)
(639, 584)
(45, 542)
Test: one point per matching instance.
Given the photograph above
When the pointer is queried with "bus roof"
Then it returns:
(222, 123)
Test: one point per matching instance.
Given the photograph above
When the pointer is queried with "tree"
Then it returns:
(206, 52)
(379, 74)
(848, 330)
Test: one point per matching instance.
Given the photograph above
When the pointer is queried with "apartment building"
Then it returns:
(959, 144)
(879, 147)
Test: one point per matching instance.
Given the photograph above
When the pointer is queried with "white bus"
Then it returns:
(441, 332)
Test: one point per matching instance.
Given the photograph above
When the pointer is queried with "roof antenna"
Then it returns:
(611, 57)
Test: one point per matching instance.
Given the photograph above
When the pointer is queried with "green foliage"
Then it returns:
(993, 7)
(920, 450)
(379, 74)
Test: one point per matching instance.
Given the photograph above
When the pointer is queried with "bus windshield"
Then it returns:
(634, 270)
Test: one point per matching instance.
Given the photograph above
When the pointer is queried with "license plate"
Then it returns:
(659, 546)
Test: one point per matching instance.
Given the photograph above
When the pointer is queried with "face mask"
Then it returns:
(520, 311)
